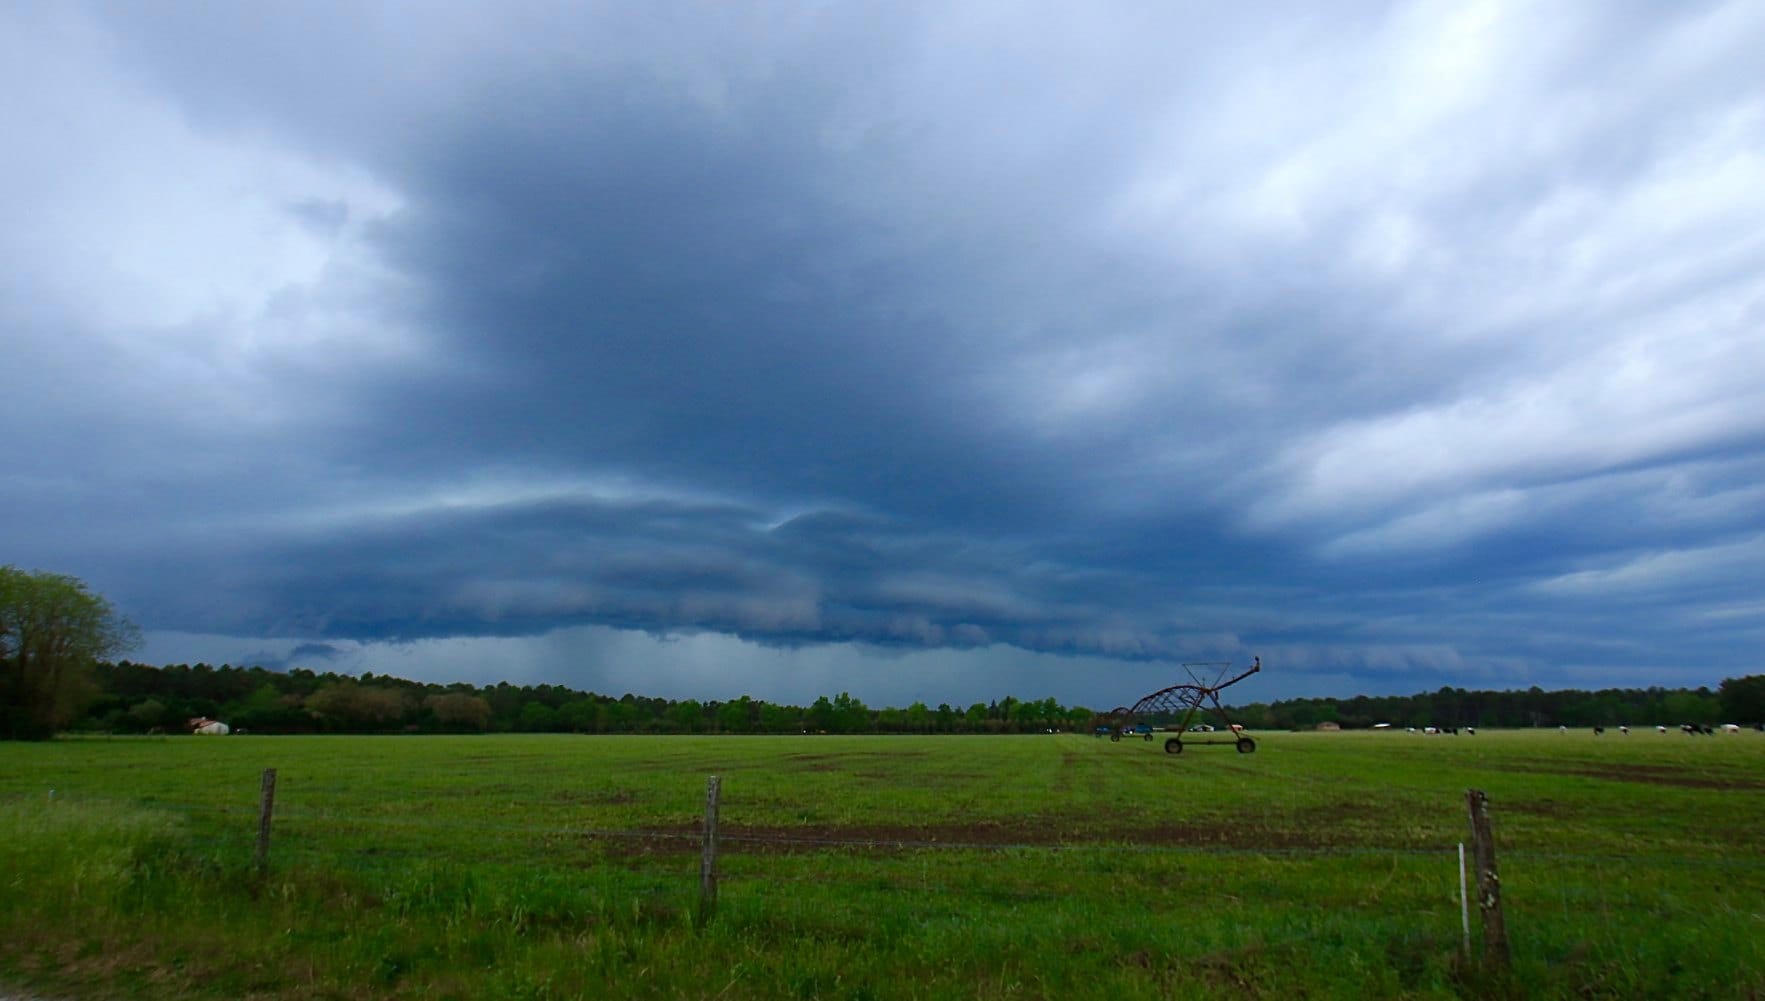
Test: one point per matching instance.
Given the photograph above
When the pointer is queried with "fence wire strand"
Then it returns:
(346, 822)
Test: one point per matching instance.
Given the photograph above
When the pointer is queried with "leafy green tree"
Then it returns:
(459, 710)
(780, 719)
(349, 705)
(1034, 715)
(537, 717)
(618, 717)
(1692, 707)
(737, 716)
(267, 709)
(578, 715)
(689, 716)
(52, 631)
(947, 717)
(1743, 699)
(822, 716)
(850, 715)
(147, 714)
(1302, 714)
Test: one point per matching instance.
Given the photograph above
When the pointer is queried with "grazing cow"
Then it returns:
(209, 727)
(1731, 728)
(1624, 730)
(1471, 730)
(1660, 729)
(1599, 731)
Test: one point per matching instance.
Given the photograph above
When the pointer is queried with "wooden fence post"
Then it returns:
(265, 805)
(1495, 930)
(708, 862)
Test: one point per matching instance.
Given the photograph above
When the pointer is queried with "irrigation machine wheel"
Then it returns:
(1173, 746)
(1115, 735)
(1246, 745)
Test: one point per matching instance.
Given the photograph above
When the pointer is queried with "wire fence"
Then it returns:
(298, 822)
(314, 834)
(1279, 895)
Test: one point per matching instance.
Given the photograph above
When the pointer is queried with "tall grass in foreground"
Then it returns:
(553, 867)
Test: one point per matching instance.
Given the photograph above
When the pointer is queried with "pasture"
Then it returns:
(1057, 865)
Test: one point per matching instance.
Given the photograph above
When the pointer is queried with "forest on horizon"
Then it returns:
(141, 698)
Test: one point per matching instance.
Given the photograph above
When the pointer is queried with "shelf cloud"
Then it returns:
(896, 348)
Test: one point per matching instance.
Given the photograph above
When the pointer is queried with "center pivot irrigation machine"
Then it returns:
(1181, 704)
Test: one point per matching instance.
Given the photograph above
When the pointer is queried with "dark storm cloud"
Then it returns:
(1411, 341)
(525, 568)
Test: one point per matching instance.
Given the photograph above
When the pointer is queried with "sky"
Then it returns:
(923, 351)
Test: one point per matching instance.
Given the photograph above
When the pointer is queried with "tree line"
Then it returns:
(1736, 700)
(55, 636)
(139, 698)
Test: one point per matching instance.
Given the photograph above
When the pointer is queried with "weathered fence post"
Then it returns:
(708, 863)
(1495, 930)
(265, 804)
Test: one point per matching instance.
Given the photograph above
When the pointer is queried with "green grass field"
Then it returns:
(1324, 865)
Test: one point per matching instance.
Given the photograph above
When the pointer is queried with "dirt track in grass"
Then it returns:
(1656, 775)
(978, 836)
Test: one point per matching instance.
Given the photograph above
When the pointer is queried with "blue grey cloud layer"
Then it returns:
(1414, 344)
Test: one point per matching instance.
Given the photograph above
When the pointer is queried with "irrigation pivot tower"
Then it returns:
(1183, 703)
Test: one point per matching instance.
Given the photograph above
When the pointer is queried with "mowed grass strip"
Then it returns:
(561, 866)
